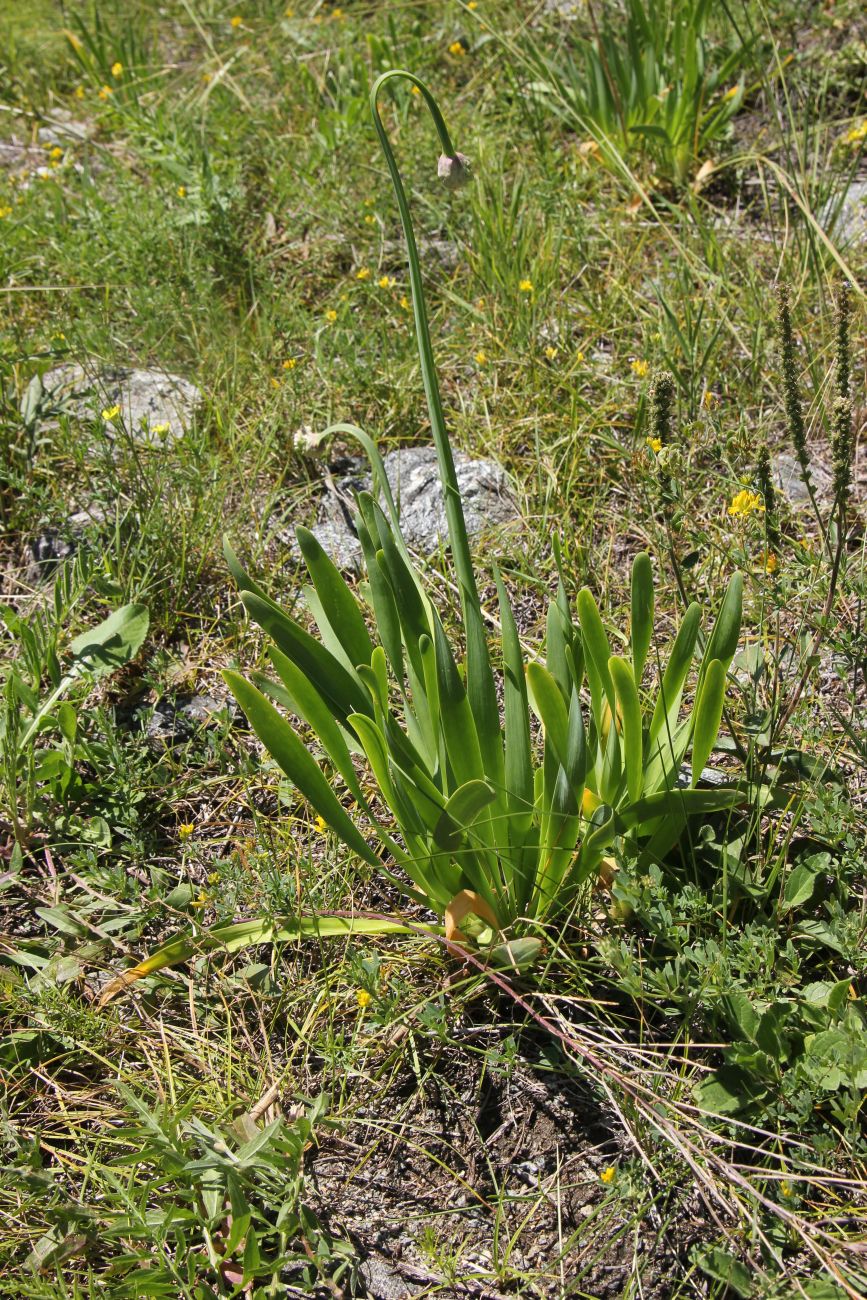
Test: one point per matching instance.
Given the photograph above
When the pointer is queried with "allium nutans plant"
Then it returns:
(493, 833)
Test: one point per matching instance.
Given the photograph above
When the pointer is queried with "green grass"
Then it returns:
(460, 1129)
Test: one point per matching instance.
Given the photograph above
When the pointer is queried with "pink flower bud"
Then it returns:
(453, 171)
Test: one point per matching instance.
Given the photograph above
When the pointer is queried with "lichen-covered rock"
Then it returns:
(414, 478)
(154, 406)
(844, 217)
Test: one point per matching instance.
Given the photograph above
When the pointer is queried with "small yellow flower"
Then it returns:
(370, 219)
(457, 49)
(731, 92)
(56, 153)
(182, 191)
(415, 90)
(526, 286)
(785, 1188)
(655, 444)
(5, 211)
(550, 352)
(363, 273)
(337, 14)
(214, 878)
(710, 400)
(640, 367)
(275, 383)
(117, 70)
(480, 304)
(111, 413)
(105, 92)
(745, 502)
(321, 825)
(160, 429)
(607, 1175)
(385, 281)
(79, 92)
(473, 4)
(290, 363)
(771, 563)
(481, 358)
(236, 21)
(60, 336)
(579, 357)
(201, 901)
(331, 315)
(185, 830)
(363, 998)
(405, 303)
(290, 13)
(857, 134)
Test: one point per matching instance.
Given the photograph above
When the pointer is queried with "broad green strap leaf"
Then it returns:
(344, 693)
(460, 812)
(295, 760)
(340, 606)
(248, 934)
(519, 757)
(550, 708)
(641, 629)
(305, 700)
(708, 715)
(595, 641)
(239, 573)
(690, 803)
(671, 689)
(630, 712)
(724, 638)
(458, 724)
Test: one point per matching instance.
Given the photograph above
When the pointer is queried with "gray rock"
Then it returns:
(174, 721)
(61, 128)
(844, 217)
(790, 480)
(414, 479)
(42, 554)
(383, 1282)
(155, 406)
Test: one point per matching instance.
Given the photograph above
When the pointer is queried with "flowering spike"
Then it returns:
(794, 414)
(661, 402)
(844, 354)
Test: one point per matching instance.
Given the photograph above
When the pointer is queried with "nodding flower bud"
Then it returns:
(454, 170)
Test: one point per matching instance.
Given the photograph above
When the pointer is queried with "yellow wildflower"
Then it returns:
(320, 825)
(745, 502)
(550, 352)
(105, 92)
(480, 304)
(415, 90)
(290, 363)
(363, 998)
(111, 413)
(771, 563)
(457, 49)
(337, 13)
(731, 92)
(481, 358)
(655, 444)
(370, 219)
(275, 383)
(214, 878)
(857, 134)
(710, 400)
(56, 153)
(640, 367)
(160, 429)
(363, 273)
(201, 901)
(79, 92)
(473, 4)
(405, 303)
(785, 1188)
(5, 211)
(185, 830)
(579, 357)
(607, 1175)
(117, 70)
(331, 315)
(182, 191)
(236, 21)
(385, 281)
(526, 286)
